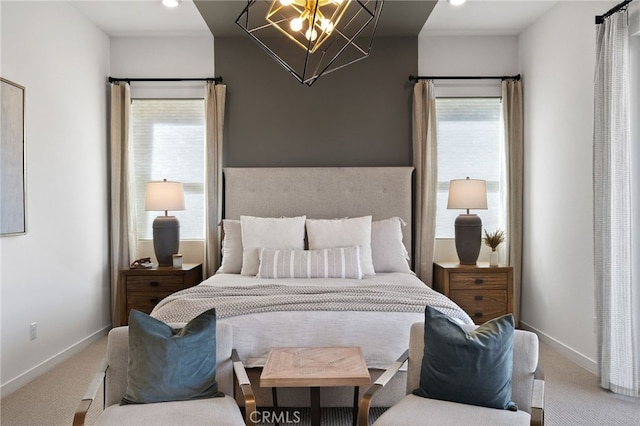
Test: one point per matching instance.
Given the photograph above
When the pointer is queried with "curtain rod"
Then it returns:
(415, 78)
(214, 79)
(600, 18)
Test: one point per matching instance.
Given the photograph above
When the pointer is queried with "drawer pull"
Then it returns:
(478, 298)
(154, 283)
(154, 300)
(478, 281)
(478, 315)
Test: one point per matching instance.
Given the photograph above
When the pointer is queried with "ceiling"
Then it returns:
(398, 18)
(131, 18)
(485, 17)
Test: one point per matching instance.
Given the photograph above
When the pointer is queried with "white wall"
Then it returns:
(466, 56)
(165, 57)
(557, 61)
(57, 274)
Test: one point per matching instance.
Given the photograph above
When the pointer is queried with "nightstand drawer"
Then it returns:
(468, 281)
(145, 302)
(154, 283)
(481, 305)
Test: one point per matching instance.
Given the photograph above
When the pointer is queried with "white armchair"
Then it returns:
(527, 391)
(212, 411)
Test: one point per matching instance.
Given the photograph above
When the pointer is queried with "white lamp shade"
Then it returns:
(467, 194)
(163, 196)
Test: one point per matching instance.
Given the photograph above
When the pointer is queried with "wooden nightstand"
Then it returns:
(484, 292)
(142, 289)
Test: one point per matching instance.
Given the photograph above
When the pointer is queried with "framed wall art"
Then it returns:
(12, 159)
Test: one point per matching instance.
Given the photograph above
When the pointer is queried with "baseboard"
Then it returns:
(21, 380)
(580, 359)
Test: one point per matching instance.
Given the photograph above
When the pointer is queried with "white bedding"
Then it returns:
(383, 336)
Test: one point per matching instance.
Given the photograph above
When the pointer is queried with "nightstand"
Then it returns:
(484, 292)
(142, 289)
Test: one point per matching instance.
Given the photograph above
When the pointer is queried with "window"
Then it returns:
(168, 143)
(469, 144)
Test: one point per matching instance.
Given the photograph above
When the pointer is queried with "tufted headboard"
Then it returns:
(320, 193)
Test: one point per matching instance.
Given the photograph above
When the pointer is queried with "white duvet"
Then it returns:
(382, 335)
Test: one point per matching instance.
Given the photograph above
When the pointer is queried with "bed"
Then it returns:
(348, 306)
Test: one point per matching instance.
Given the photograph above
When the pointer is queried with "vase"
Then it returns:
(494, 258)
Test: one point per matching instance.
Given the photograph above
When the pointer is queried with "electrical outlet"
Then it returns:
(33, 330)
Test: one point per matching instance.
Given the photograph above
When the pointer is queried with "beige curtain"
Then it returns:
(514, 152)
(425, 162)
(214, 104)
(123, 225)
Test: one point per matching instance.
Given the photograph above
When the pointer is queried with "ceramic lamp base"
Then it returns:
(468, 232)
(166, 239)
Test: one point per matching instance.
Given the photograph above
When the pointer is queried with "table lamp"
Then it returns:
(164, 196)
(468, 194)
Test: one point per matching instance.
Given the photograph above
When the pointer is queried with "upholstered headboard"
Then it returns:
(320, 193)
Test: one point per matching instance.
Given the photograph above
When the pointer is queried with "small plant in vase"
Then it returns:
(493, 240)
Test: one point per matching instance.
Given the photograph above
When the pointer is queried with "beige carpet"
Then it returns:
(52, 398)
(572, 395)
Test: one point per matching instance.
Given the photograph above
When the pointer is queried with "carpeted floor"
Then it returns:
(572, 396)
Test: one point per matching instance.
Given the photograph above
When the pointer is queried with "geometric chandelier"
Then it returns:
(311, 38)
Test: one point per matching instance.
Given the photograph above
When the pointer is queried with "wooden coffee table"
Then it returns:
(316, 367)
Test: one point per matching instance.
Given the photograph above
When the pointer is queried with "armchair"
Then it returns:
(527, 391)
(214, 411)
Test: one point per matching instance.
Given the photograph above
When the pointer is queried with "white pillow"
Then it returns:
(330, 233)
(343, 262)
(231, 247)
(268, 232)
(387, 249)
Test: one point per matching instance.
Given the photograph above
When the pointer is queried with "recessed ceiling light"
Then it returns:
(456, 2)
(171, 3)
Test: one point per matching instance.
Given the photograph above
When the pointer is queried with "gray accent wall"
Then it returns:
(356, 116)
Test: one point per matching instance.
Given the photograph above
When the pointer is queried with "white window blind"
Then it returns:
(469, 144)
(168, 143)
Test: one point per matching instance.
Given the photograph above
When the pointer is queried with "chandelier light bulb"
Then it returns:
(286, 2)
(326, 25)
(311, 34)
(296, 24)
(456, 2)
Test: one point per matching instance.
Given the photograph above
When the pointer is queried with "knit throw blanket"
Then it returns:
(232, 301)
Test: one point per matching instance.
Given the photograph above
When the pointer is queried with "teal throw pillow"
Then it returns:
(469, 367)
(167, 364)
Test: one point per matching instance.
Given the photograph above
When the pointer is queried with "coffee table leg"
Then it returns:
(355, 405)
(315, 406)
(274, 396)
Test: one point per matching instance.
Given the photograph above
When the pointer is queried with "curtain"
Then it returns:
(425, 162)
(616, 333)
(214, 104)
(123, 231)
(512, 180)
